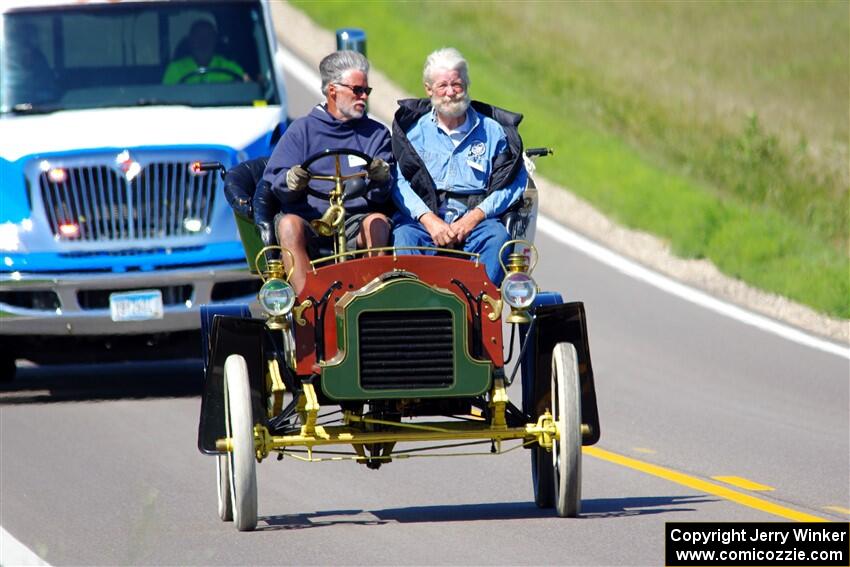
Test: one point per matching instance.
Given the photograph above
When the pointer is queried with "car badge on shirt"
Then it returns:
(477, 149)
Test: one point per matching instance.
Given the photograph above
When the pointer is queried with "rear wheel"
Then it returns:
(542, 477)
(242, 462)
(222, 475)
(566, 450)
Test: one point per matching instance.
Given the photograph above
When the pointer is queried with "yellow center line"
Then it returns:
(702, 485)
(645, 450)
(838, 509)
(744, 483)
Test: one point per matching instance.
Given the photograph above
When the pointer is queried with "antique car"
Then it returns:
(384, 355)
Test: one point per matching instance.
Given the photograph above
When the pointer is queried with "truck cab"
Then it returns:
(109, 239)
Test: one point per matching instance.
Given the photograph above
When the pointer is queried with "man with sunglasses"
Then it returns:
(339, 123)
(460, 166)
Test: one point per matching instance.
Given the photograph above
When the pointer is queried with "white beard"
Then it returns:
(451, 107)
(351, 112)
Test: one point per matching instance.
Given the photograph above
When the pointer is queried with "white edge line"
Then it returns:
(297, 68)
(311, 80)
(639, 272)
(13, 552)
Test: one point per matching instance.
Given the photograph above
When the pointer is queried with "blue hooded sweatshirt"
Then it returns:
(316, 132)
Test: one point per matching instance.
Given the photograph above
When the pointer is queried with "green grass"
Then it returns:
(721, 126)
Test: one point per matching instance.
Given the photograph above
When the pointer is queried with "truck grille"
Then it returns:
(406, 349)
(163, 200)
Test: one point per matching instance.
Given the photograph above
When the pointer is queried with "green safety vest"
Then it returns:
(181, 67)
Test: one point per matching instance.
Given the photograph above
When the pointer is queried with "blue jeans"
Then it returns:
(485, 239)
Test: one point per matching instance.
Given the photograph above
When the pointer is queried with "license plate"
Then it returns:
(136, 305)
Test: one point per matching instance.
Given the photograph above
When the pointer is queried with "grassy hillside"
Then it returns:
(722, 126)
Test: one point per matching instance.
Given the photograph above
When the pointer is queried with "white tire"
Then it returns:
(222, 476)
(541, 477)
(566, 410)
(242, 462)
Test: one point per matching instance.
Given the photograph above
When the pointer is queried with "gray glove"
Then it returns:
(378, 170)
(297, 178)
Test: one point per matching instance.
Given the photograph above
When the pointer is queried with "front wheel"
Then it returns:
(566, 411)
(242, 462)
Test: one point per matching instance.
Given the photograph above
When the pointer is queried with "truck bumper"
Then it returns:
(77, 305)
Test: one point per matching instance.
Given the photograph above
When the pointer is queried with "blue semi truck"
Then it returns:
(109, 240)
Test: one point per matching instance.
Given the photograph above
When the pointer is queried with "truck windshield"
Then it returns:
(149, 53)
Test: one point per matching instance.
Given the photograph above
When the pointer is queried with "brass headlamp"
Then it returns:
(276, 296)
(518, 289)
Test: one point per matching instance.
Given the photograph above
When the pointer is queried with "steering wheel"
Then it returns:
(201, 71)
(338, 178)
(336, 152)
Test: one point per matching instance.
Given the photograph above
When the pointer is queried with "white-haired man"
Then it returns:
(459, 163)
(340, 123)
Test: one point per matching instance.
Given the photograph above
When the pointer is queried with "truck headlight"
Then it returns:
(276, 297)
(519, 290)
(10, 235)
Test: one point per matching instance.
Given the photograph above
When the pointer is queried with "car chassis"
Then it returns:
(411, 352)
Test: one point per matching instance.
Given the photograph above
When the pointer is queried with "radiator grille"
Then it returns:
(406, 349)
(106, 207)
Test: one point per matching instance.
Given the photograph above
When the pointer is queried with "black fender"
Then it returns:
(555, 322)
(208, 312)
(230, 335)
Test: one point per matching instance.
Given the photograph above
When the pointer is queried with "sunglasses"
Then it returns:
(357, 89)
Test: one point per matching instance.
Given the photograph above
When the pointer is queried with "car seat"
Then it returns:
(240, 186)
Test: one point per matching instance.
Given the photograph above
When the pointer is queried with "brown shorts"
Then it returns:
(318, 245)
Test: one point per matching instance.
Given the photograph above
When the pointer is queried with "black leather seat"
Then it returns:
(240, 184)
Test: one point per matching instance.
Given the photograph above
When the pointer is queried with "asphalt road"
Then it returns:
(98, 464)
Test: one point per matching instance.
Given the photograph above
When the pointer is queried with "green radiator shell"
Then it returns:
(340, 375)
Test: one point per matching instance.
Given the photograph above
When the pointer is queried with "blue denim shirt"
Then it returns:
(461, 169)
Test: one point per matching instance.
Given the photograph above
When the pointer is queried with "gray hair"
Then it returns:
(338, 63)
(445, 58)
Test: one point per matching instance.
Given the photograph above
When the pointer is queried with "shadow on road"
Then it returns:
(415, 514)
(639, 506)
(591, 508)
(320, 520)
(103, 382)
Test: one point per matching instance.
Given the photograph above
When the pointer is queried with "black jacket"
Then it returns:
(504, 169)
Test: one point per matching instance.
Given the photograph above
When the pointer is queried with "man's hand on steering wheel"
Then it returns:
(297, 178)
(378, 170)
